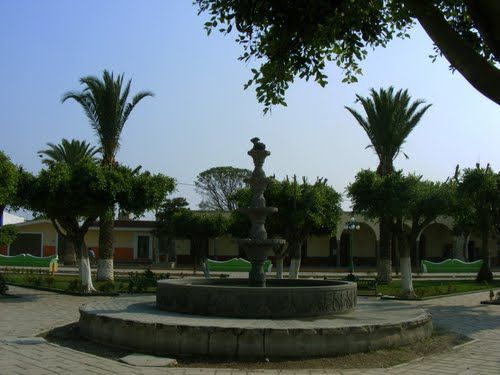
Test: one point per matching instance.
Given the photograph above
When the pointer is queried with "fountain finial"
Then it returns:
(257, 145)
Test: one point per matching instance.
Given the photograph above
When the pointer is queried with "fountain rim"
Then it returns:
(242, 284)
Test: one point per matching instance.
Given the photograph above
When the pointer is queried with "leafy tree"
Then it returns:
(9, 174)
(390, 118)
(70, 152)
(104, 102)
(199, 227)
(304, 209)
(463, 215)
(407, 199)
(426, 201)
(218, 185)
(165, 219)
(73, 197)
(296, 38)
(479, 188)
(8, 234)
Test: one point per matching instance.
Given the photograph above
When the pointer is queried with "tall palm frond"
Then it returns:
(105, 104)
(390, 118)
(69, 152)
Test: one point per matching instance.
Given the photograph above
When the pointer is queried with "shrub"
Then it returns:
(75, 285)
(106, 287)
(49, 281)
(140, 282)
(3, 284)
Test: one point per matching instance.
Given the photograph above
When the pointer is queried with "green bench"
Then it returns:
(451, 266)
(234, 265)
(28, 260)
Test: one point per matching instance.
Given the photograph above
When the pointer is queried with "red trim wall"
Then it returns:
(49, 250)
(124, 254)
(3, 249)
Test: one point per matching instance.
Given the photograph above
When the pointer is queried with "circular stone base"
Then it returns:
(136, 324)
(234, 298)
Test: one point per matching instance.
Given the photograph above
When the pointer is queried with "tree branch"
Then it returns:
(486, 15)
(475, 69)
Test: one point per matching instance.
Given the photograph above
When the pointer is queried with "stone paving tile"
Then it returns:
(39, 311)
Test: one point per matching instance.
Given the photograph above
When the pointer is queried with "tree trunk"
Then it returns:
(485, 273)
(69, 258)
(458, 245)
(279, 267)
(295, 257)
(384, 275)
(465, 246)
(105, 270)
(485, 251)
(84, 267)
(473, 67)
(405, 243)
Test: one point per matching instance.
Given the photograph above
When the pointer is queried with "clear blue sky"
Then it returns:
(201, 117)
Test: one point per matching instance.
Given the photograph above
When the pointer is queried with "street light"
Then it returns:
(352, 225)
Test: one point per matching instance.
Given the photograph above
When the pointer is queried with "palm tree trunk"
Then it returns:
(384, 273)
(106, 251)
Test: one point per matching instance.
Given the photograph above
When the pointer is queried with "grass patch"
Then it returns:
(68, 283)
(439, 342)
(434, 288)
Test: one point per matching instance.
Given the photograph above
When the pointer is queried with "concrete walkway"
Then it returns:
(21, 319)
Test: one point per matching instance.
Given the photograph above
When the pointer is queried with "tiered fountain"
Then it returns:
(258, 247)
(251, 318)
(253, 297)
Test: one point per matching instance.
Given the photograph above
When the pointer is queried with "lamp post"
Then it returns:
(352, 225)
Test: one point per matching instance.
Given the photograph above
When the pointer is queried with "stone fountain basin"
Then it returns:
(280, 299)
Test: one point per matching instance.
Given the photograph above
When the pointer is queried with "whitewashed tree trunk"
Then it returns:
(86, 275)
(465, 247)
(384, 271)
(293, 272)
(105, 269)
(406, 277)
(206, 271)
(279, 267)
(458, 244)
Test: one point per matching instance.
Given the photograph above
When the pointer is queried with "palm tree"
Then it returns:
(70, 152)
(390, 118)
(105, 104)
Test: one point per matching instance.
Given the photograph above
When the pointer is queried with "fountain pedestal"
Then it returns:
(258, 247)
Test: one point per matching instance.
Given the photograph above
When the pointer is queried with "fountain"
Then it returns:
(253, 318)
(258, 247)
(256, 298)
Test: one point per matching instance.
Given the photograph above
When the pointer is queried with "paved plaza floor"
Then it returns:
(22, 319)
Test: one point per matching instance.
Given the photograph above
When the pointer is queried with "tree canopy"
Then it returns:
(303, 209)
(9, 174)
(478, 189)
(218, 185)
(69, 152)
(390, 118)
(104, 102)
(297, 38)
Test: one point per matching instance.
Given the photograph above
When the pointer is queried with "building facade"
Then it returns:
(134, 241)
